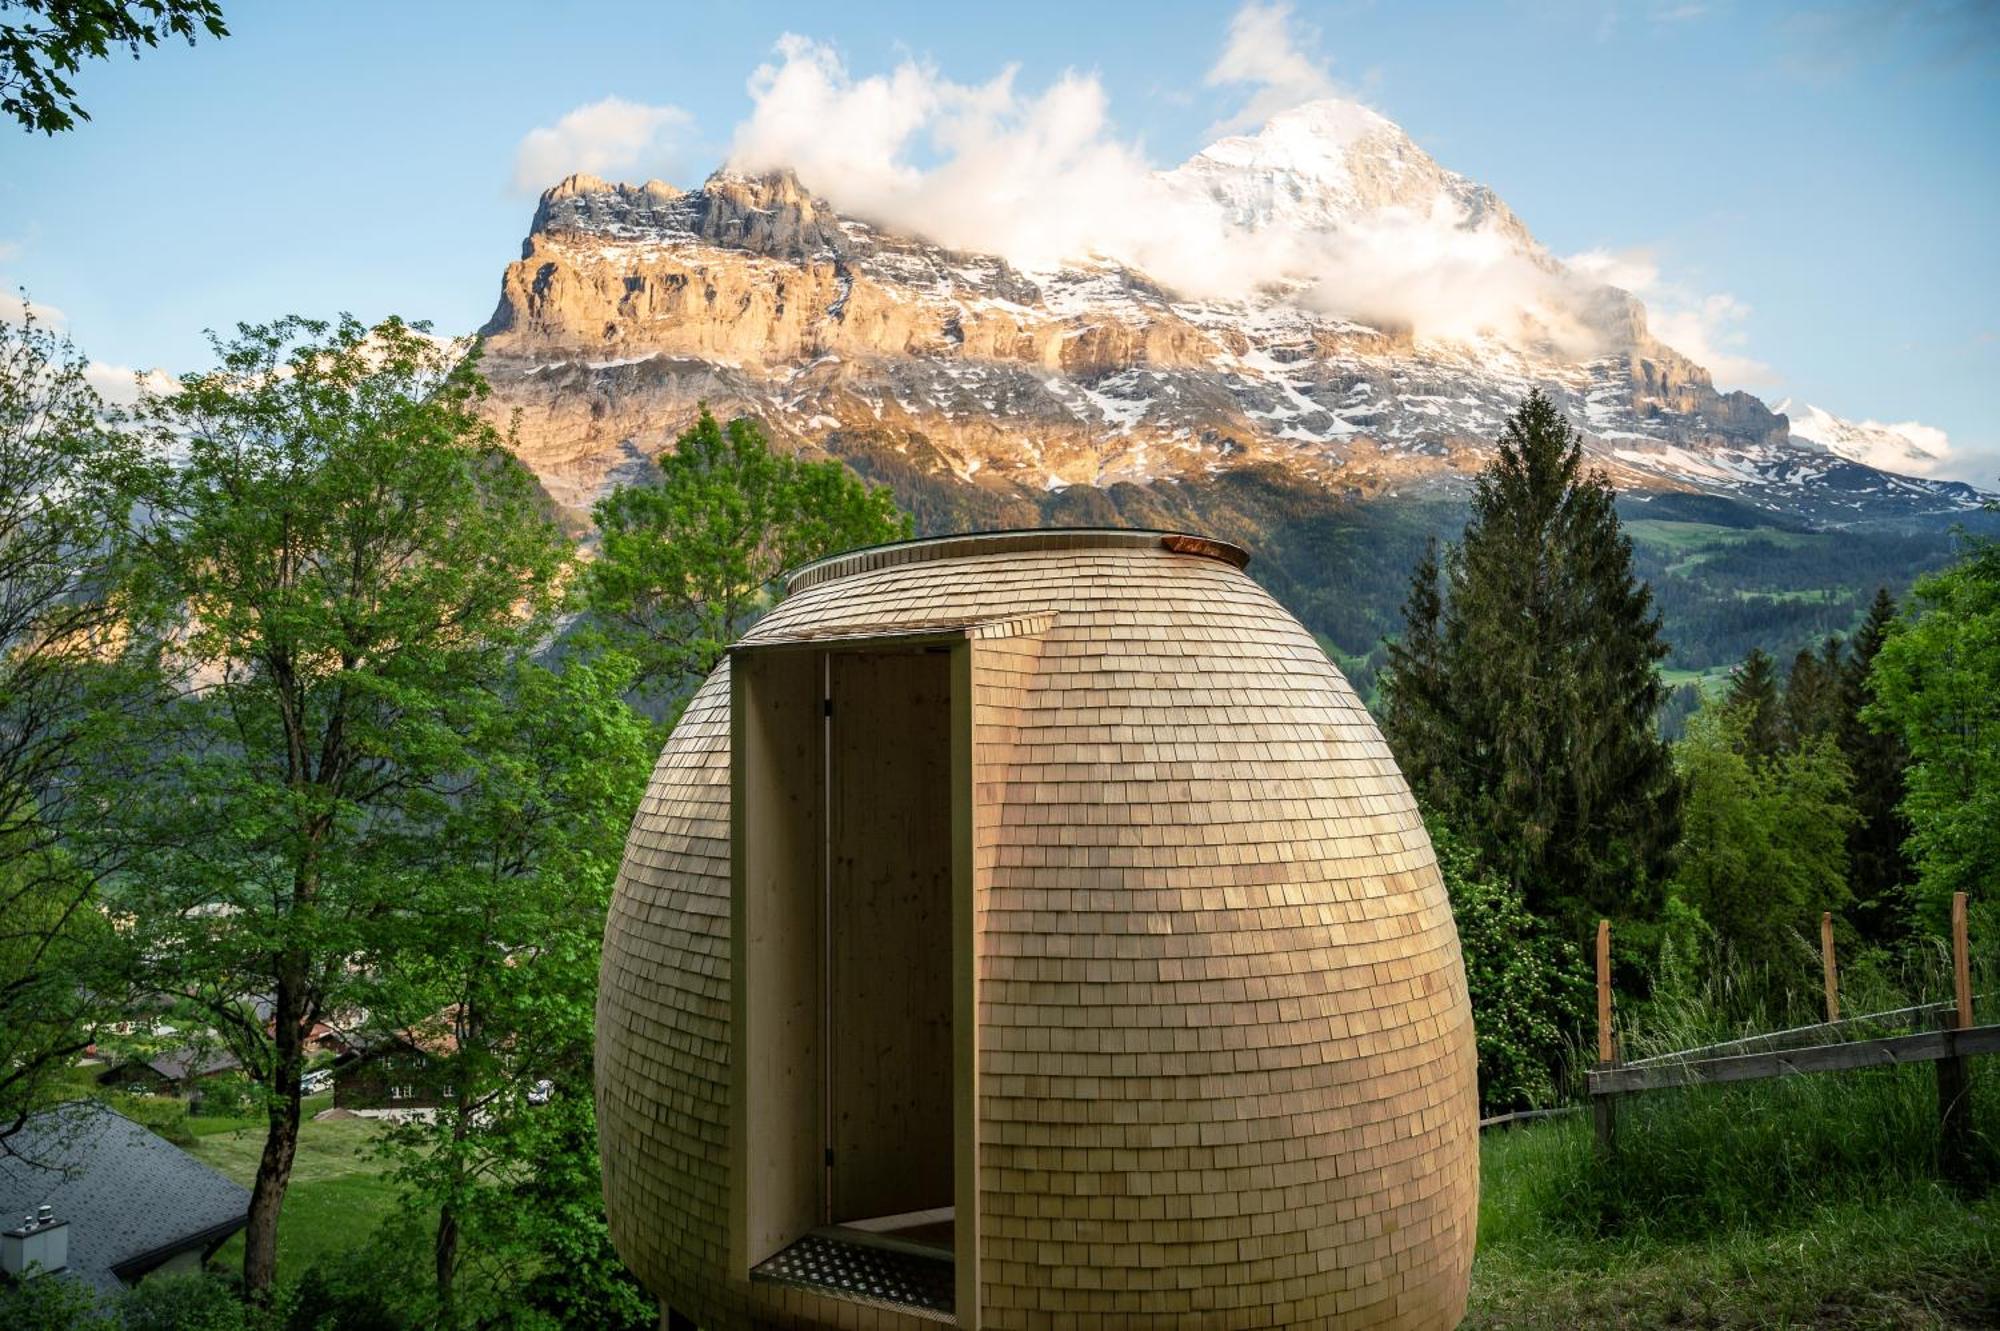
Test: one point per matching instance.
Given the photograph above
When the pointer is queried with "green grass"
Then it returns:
(1918, 1262)
(1666, 534)
(1711, 680)
(1912, 1254)
(1796, 595)
(339, 1192)
(1691, 544)
(1797, 1201)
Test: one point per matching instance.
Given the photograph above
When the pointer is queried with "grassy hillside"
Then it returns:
(340, 1188)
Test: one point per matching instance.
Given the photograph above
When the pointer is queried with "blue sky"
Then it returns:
(1814, 186)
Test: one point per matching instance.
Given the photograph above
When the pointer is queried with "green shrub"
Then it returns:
(1529, 988)
(49, 1303)
(230, 1095)
(371, 1286)
(182, 1303)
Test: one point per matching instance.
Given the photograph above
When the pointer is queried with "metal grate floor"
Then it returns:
(886, 1277)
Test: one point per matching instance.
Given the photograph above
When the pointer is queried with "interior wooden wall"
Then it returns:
(891, 890)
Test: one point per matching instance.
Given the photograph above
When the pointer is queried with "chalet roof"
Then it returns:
(181, 1064)
(435, 1037)
(132, 1199)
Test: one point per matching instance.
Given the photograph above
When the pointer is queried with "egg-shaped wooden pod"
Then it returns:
(1032, 929)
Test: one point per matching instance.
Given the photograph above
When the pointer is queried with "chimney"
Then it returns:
(40, 1241)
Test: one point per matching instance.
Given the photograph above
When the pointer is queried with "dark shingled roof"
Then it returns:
(178, 1065)
(132, 1199)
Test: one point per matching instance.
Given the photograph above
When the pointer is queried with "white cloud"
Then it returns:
(611, 137)
(1037, 177)
(1706, 327)
(1633, 270)
(1908, 448)
(1042, 177)
(13, 307)
(116, 384)
(1980, 467)
(1266, 53)
(121, 385)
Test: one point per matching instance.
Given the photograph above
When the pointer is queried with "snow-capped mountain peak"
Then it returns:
(1310, 142)
(1908, 447)
(1332, 166)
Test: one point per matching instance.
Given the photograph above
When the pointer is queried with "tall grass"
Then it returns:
(1714, 1159)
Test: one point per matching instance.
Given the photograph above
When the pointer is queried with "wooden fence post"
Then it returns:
(1961, 961)
(1604, 1108)
(1826, 963)
(1954, 1075)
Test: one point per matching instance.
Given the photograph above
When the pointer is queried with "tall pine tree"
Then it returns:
(1813, 703)
(1528, 713)
(1879, 864)
(1753, 693)
(1414, 689)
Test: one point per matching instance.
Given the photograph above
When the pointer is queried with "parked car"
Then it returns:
(315, 1082)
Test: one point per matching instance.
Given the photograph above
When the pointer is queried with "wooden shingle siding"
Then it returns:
(1225, 1055)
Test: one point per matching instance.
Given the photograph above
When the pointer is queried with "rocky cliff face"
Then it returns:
(632, 305)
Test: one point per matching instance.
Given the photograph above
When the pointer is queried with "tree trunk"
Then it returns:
(447, 1260)
(446, 1250)
(281, 1141)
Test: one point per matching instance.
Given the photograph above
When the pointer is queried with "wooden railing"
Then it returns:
(1815, 1048)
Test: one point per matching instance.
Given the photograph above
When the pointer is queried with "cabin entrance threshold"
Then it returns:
(901, 1263)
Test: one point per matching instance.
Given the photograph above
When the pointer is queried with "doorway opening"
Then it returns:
(850, 822)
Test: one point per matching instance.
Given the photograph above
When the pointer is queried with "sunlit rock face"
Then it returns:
(1406, 312)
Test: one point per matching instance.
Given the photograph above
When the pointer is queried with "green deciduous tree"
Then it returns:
(340, 572)
(1936, 683)
(506, 914)
(691, 560)
(1525, 698)
(1764, 840)
(68, 702)
(1530, 988)
(40, 56)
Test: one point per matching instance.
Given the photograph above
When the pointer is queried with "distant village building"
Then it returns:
(405, 1072)
(175, 1073)
(1032, 929)
(91, 1196)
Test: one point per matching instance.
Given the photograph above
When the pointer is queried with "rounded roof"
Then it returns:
(1223, 1016)
(1023, 540)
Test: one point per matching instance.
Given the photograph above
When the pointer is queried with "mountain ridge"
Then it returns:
(988, 393)
(757, 293)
